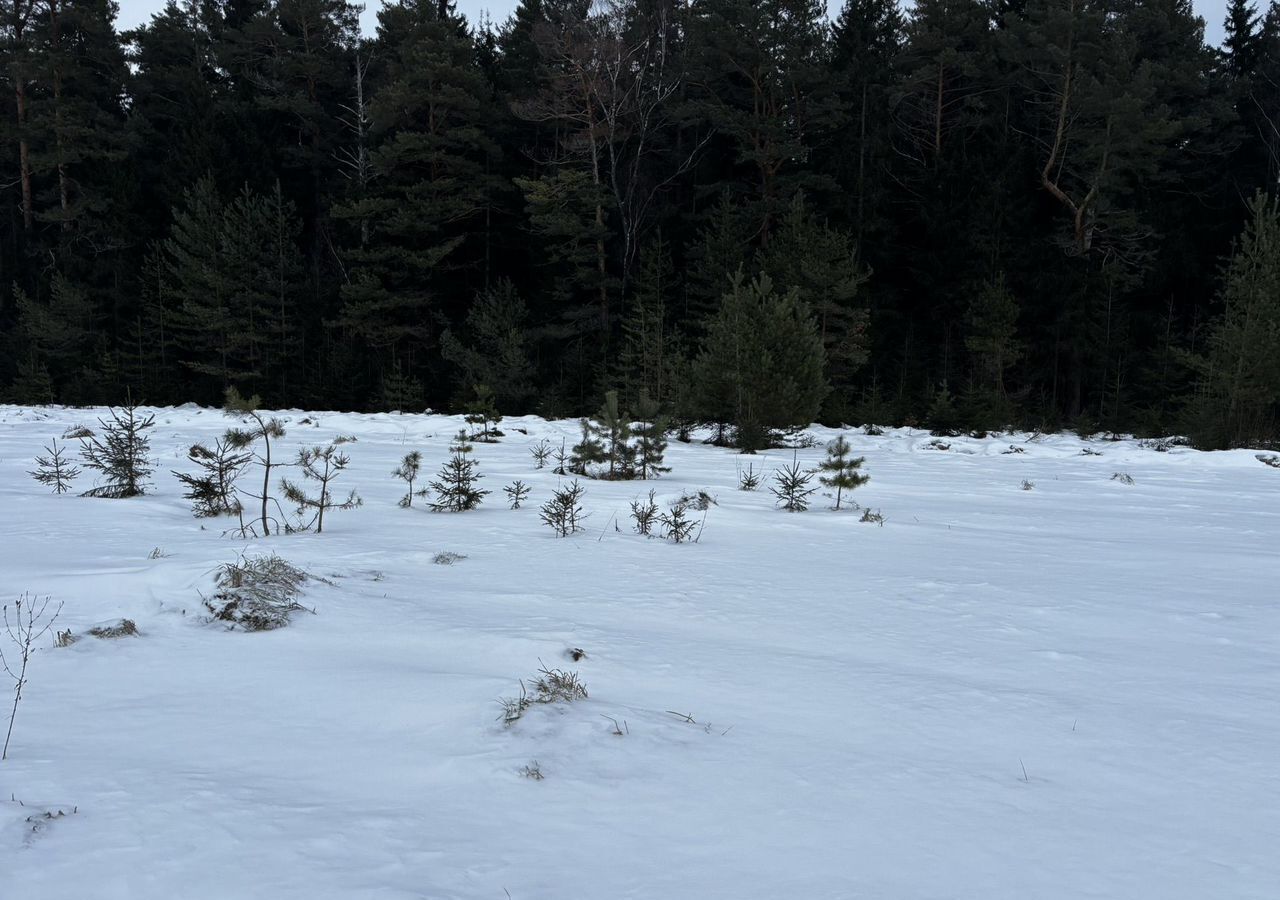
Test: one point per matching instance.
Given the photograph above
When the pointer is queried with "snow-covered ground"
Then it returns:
(1069, 691)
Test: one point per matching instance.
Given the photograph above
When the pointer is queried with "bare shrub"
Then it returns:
(117, 629)
(1122, 477)
(77, 432)
(699, 500)
(25, 623)
(873, 517)
(1028, 485)
(447, 558)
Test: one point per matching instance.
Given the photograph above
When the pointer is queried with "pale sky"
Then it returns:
(135, 12)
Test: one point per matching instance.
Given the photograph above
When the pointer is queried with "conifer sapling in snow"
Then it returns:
(562, 513)
(259, 431)
(587, 452)
(483, 412)
(650, 439)
(407, 472)
(791, 487)
(541, 453)
(517, 491)
(455, 487)
(121, 455)
(321, 465)
(212, 492)
(840, 470)
(55, 471)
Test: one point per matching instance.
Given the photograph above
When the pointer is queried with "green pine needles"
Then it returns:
(840, 470)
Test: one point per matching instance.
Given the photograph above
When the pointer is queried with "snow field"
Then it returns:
(1068, 691)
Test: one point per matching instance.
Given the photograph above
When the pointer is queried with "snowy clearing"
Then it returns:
(1071, 690)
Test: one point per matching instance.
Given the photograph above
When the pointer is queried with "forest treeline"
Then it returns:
(971, 214)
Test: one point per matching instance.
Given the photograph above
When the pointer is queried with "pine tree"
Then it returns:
(407, 472)
(841, 470)
(455, 487)
(120, 457)
(212, 492)
(612, 430)
(321, 465)
(258, 430)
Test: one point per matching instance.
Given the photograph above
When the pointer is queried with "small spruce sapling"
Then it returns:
(121, 455)
(541, 453)
(407, 472)
(677, 524)
(517, 492)
(650, 439)
(321, 465)
(587, 452)
(563, 512)
(55, 471)
(455, 487)
(791, 487)
(841, 470)
(645, 514)
(563, 458)
(212, 491)
(258, 431)
(750, 479)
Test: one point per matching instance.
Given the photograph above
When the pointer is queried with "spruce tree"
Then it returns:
(54, 470)
(1239, 391)
(120, 456)
(840, 470)
(761, 365)
(455, 487)
(649, 432)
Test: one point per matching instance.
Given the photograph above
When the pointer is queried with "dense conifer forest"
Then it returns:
(972, 214)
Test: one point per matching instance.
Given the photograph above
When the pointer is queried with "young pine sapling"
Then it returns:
(407, 472)
(259, 431)
(841, 470)
(212, 492)
(321, 465)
